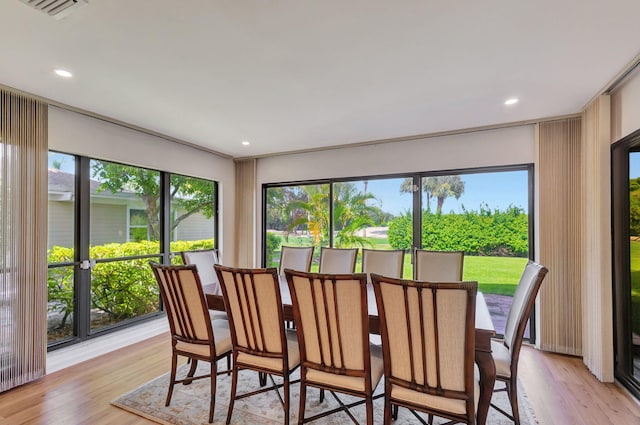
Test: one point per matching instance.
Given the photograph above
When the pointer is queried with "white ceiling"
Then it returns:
(301, 74)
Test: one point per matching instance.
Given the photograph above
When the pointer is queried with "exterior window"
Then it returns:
(105, 225)
(138, 226)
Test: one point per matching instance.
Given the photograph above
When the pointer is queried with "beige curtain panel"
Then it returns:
(23, 239)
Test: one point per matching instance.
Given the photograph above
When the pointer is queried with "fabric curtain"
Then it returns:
(245, 212)
(23, 239)
(561, 234)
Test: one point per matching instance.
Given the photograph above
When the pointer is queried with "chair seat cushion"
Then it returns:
(221, 336)
(217, 315)
(436, 402)
(274, 364)
(350, 382)
(502, 358)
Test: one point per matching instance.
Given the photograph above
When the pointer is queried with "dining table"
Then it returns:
(484, 332)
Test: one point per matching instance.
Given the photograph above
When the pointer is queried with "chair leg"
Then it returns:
(285, 386)
(303, 401)
(229, 364)
(214, 375)
(369, 408)
(262, 378)
(174, 364)
(395, 412)
(512, 391)
(321, 395)
(387, 411)
(192, 371)
(232, 398)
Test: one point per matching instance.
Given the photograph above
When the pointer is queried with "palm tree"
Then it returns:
(439, 187)
(350, 212)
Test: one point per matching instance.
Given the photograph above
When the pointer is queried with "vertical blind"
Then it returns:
(23, 239)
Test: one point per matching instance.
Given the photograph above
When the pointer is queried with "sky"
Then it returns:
(634, 165)
(494, 190)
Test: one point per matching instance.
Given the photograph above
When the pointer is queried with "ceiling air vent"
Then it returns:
(57, 9)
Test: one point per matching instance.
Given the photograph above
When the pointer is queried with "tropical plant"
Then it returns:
(351, 213)
(438, 187)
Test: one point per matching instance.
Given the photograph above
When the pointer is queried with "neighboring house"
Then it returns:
(115, 217)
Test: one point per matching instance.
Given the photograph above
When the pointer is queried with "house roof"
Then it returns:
(290, 75)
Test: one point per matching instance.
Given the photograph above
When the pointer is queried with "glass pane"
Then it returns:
(62, 195)
(60, 302)
(296, 216)
(634, 252)
(193, 221)
(485, 215)
(60, 245)
(122, 290)
(123, 197)
(374, 214)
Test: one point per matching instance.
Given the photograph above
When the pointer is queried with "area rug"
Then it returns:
(190, 403)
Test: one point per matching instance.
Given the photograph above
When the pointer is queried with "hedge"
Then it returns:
(484, 232)
(120, 289)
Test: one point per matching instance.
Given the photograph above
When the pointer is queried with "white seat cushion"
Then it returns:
(221, 336)
(502, 358)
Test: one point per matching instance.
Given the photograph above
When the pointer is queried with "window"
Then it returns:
(138, 226)
(105, 225)
(483, 212)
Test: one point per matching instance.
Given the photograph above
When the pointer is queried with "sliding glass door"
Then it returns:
(626, 259)
(483, 212)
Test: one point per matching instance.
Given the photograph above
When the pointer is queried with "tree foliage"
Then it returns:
(634, 207)
(189, 195)
(438, 187)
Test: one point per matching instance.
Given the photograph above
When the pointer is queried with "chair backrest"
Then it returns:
(204, 260)
(330, 313)
(295, 258)
(254, 308)
(523, 300)
(428, 337)
(385, 262)
(338, 260)
(185, 303)
(438, 266)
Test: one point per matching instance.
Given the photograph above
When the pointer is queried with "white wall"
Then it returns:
(506, 146)
(74, 133)
(625, 105)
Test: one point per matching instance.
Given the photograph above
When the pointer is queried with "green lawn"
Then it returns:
(634, 248)
(495, 275)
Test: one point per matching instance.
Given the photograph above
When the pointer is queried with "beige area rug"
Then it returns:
(190, 403)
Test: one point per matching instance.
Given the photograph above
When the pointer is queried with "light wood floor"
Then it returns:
(560, 388)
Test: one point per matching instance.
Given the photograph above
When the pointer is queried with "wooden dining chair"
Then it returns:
(204, 260)
(193, 334)
(428, 344)
(295, 258)
(256, 319)
(438, 266)
(507, 352)
(384, 262)
(338, 260)
(331, 315)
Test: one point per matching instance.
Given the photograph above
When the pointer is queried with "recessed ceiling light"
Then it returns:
(511, 101)
(245, 143)
(63, 73)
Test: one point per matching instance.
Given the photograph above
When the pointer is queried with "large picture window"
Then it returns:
(483, 212)
(106, 223)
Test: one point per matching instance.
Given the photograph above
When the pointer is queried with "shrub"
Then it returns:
(484, 232)
(121, 289)
(273, 244)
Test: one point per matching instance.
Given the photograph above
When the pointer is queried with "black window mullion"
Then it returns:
(417, 212)
(82, 281)
(331, 214)
(165, 217)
